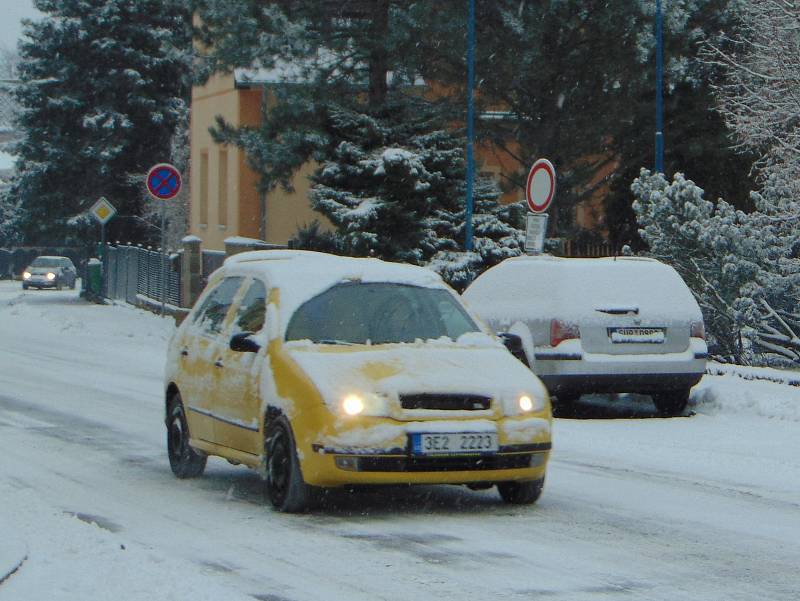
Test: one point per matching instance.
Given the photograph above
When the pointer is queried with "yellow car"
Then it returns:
(323, 371)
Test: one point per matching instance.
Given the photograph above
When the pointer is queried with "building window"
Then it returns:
(222, 218)
(204, 187)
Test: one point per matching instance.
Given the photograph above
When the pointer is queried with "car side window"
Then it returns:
(252, 310)
(211, 314)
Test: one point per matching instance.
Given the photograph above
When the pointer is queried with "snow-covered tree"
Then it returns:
(104, 86)
(394, 187)
(757, 90)
(744, 274)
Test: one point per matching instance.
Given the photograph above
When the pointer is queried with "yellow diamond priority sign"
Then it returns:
(103, 210)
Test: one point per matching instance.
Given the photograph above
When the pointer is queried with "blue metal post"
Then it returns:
(470, 120)
(659, 90)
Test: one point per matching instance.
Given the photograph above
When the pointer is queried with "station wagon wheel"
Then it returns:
(284, 488)
(671, 402)
(521, 493)
(183, 459)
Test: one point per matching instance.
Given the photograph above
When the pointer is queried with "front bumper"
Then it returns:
(522, 455)
(41, 282)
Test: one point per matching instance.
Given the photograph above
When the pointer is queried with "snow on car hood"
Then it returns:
(422, 367)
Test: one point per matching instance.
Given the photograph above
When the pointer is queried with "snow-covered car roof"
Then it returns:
(522, 287)
(301, 275)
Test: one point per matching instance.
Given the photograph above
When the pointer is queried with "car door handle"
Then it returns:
(218, 363)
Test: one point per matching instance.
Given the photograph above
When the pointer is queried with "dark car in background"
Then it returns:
(50, 272)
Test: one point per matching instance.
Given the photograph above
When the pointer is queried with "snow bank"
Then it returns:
(729, 394)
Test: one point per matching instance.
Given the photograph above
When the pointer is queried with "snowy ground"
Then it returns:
(705, 507)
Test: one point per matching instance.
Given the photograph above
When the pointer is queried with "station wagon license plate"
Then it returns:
(636, 335)
(454, 443)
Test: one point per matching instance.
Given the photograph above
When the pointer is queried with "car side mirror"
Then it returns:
(243, 343)
(514, 345)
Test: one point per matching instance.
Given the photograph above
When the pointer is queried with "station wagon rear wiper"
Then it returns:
(334, 341)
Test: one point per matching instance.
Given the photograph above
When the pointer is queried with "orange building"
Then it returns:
(225, 201)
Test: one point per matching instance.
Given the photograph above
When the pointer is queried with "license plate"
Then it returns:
(454, 443)
(636, 335)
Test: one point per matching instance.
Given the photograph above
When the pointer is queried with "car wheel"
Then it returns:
(284, 487)
(521, 493)
(72, 284)
(183, 459)
(24, 286)
(672, 402)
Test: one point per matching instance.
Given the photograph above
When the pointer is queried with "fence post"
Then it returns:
(191, 270)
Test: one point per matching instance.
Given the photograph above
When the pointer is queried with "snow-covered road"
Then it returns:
(700, 508)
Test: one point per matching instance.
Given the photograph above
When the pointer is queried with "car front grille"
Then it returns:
(445, 402)
(443, 464)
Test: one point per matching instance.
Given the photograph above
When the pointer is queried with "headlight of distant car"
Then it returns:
(520, 404)
(371, 404)
(51, 276)
(26, 275)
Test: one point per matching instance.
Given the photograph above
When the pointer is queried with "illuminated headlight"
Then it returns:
(26, 275)
(51, 276)
(522, 403)
(353, 405)
(372, 404)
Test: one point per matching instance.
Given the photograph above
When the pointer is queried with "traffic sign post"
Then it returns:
(535, 230)
(541, 186)
(539, 192)
(103, 211)
(163, 183)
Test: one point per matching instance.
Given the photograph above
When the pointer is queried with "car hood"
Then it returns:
(423, 367)
(43, 270)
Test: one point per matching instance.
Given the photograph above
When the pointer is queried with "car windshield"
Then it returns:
(46, 262)
(379, 313)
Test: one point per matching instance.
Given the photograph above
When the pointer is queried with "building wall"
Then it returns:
(217, 97)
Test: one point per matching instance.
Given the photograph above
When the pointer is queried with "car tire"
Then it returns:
(72, 284)
(521, 493)
(183, 459)
(284, 486)
(672, 402)
(24, 286)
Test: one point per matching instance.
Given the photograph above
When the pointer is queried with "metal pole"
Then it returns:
(659, 90)
(470, 121)
(163, 257)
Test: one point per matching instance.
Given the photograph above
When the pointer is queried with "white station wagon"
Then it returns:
(625, 324)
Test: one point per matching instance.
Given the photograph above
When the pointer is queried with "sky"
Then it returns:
(12, 12)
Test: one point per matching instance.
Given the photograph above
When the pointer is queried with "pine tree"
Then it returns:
(394, 188)
(105, 84)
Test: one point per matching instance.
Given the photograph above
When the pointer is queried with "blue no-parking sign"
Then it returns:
(163, 181)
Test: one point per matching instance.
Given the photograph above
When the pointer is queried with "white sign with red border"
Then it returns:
(541, 186)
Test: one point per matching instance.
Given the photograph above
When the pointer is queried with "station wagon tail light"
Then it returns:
(698, 330)
(562, 330)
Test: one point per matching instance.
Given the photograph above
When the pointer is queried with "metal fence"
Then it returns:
(132, 271)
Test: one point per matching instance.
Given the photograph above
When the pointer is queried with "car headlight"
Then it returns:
(372, 404)
(521, 404)
(353, 404)
(26, 275)
(51, 276)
